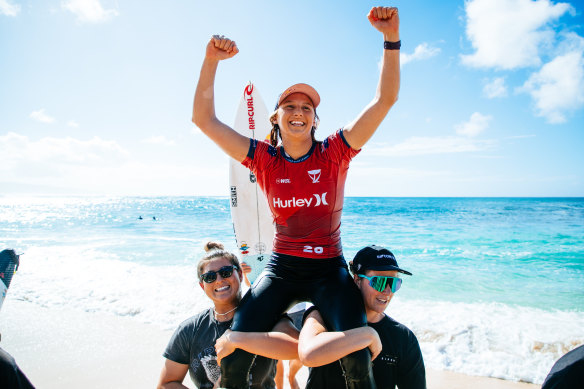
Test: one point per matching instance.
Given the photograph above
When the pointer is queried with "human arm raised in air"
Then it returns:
(317, 346)
(360, 130)
(280, 343)
(234, 144)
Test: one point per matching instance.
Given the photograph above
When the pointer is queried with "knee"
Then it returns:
(357, 365)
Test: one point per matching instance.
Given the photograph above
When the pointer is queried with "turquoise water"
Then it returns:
(521, 251)
(497, 290)
(524, 251)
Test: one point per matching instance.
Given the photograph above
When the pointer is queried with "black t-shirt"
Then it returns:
(193, 344)
(567, 372)
(400, 362)
(11, 377)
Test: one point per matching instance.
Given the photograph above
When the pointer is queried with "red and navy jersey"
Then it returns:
(305, 195)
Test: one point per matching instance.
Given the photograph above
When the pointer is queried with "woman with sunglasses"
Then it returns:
(192, 346)
(396, 354)
(303, 180)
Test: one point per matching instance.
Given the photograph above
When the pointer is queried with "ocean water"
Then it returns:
(497, 290)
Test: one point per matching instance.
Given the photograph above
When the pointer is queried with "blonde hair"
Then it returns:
(215, 250)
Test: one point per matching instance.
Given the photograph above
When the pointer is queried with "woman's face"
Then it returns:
(374, 300)
(295, 117)
(222, 290)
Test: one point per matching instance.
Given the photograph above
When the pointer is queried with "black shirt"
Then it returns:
(193, 344)
(400, 362)
(11, 377)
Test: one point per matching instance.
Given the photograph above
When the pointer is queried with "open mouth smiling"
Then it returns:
(223, 288)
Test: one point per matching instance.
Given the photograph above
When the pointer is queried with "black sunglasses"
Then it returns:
(224, 272)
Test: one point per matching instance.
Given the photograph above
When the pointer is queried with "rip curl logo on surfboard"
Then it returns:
(250, 108)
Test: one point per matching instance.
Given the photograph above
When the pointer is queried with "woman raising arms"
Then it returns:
(303, 180)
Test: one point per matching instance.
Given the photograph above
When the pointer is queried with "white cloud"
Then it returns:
(495, 88)
(559, 85)
(67, 165)
(476, 124)
(18, 150)
(159, 140)
(416, 146)
(72, 123)
(9, 9)
(421, 52)
(89, 11)
(508, 34)
(41, 116)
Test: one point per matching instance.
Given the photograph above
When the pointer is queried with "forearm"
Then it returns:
(327, 347)
(204, 102)
(275, 345)
(172, 385)
(389, 78)
(231, 142)
(360, 130)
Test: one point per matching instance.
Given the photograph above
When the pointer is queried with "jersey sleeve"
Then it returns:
(258, 154)
(178, 348)
(338, 148)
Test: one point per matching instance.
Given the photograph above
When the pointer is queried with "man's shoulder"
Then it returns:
(392, 327)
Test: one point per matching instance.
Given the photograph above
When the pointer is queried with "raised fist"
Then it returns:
(385, 20)
(220, 47)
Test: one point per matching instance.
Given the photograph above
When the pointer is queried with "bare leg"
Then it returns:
(293, 366)
(279, 375)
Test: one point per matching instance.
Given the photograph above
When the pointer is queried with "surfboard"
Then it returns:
(8, 265)
(252, 220)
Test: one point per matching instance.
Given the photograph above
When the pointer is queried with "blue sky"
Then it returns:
(96, 95)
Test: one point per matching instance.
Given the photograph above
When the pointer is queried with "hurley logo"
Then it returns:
(301, 202)
(314, 175)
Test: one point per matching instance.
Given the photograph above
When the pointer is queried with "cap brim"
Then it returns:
(388, 267)
(304, 89)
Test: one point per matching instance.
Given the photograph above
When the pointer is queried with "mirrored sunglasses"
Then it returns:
(224, 272)
(379, 283)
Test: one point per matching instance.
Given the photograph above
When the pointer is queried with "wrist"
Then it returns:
(391, 37)
(233, 338)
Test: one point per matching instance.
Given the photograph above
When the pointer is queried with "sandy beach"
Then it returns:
(60, 348)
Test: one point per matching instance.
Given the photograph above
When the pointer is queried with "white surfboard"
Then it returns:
(252, 219)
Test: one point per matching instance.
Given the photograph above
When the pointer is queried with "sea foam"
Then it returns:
(487, 339)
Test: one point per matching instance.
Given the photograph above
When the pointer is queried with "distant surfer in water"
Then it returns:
(192, 346)
(303, 180)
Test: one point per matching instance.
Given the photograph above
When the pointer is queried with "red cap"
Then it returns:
(300, 88)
